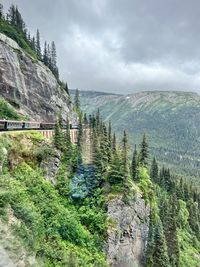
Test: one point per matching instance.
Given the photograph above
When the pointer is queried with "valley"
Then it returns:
(170, 119)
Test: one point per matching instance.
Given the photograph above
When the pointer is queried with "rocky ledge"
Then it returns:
(29, 85)
(127, 238)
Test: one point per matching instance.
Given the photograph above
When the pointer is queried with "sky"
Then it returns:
(120, 46)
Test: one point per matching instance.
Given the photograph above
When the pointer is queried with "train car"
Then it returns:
(3, 125)
(14, 125)
(47, 125)
(74, 126)
(31, 125)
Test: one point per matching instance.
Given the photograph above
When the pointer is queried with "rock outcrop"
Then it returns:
(127, 238)
(30, 85)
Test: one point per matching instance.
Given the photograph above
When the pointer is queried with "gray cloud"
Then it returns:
(121, 45)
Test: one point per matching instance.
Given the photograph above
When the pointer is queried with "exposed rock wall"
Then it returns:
(29, 83)
(127, 238)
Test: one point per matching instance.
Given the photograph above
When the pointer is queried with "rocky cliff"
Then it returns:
(127, 238)
(29, 85)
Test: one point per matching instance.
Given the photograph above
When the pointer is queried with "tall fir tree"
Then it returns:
(134, 165)
(45, 55)
(143, 157)
(38, 47)
(160, 255)
(1, 12)
(154, 171)
(11, 18)
(125, 153)
(114, 143)
(66, 88)
(170, 229)
(77, 100)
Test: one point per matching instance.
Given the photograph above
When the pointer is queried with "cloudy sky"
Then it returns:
(121, 46)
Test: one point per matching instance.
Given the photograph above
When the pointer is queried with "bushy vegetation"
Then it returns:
(8, 112)
(57, 230)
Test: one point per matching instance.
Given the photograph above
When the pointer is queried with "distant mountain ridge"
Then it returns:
(170, 118)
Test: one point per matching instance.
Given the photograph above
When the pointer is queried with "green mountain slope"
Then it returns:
(171, 120)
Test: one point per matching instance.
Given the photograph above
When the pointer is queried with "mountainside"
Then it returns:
(29, 85)
(171, 120)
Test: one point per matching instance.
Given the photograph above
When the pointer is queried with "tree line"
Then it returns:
(48, 56)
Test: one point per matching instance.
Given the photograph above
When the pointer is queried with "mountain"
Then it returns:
(30, 86)
(170, 119)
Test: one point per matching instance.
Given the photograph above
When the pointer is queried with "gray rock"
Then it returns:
(51, 167)
(5, 260)
(127, 238)
(30, 84)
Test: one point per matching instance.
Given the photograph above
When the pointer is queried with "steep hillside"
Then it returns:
(171, 119)
(29, 85)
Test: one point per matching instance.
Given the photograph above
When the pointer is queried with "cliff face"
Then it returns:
(127, 239)
(30, 84)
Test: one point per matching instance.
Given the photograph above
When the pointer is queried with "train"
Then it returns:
(6, 125)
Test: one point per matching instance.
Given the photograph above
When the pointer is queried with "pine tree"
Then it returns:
(19, 23)
(66, 88)
(67, 141)
(77, 101)
(160, 256)
(144, 151)
(33, 45)
(170, 228)
(125, 152)
(109, 141)
(45, 55)
(154, 171)
(134, 165)
(11, 15)
(85, 120)
(116, 172)
(49, 56)
(58, 136)
(53, 56)
(151, 240)
(38, 47)
(1, 12)
(80, 131)
(114, 143)
(180, 189)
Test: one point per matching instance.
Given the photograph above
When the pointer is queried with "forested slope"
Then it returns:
(170, 119)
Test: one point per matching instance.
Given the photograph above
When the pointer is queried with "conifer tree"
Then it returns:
(19, 23)
(45, 55)
(11, 15)
(67, 141)
(38, 47)
(125, 153)
(1, 12)
(77, 100)
(33, 45)
(180, 189)
(66, 88)
(160, 256)
(144, 151)
(58, 136)
(134, 165)
(53, 65)
(170, 228)
(80, 131)
(85, 120)
(154, 171)
(114, 143)
(109, 141)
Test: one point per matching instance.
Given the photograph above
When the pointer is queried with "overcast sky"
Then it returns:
(121, 46)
